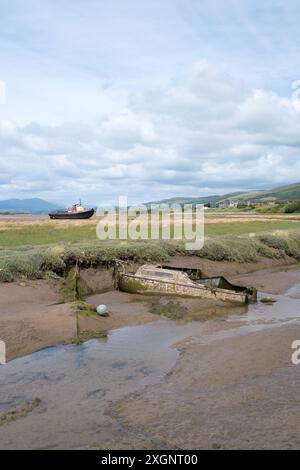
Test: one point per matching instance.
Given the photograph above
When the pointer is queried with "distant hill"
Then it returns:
(31, 206)
(287, 192)
(195, 200)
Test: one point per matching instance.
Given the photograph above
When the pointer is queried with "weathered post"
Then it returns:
(2, 352)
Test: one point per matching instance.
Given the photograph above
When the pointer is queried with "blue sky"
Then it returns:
(148, 99)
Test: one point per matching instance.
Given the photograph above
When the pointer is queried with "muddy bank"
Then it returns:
(230, 269)
(274, 281)
(32, 316)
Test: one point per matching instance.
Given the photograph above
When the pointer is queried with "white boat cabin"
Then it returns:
(155, 272)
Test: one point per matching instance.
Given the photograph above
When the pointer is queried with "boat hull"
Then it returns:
(72, 215)
(141, 285)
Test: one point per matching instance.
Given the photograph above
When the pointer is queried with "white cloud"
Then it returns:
(204, 133)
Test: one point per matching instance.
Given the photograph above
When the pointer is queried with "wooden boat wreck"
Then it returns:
(150, 279)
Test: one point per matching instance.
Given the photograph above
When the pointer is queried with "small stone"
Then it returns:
(216, 446)
(268, 300)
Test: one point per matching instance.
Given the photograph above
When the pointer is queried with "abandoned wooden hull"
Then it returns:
(136, 284)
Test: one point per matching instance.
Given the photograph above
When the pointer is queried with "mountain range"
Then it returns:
(31, 206)
(287, 192)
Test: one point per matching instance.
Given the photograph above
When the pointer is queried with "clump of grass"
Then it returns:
(268, 252)
(214, 250)
(6, 276)
(26, 265)
(285, 245)
(33, 264)
(292, 207)
(88, 256)
(86, 335)
(246, 249)
(51, 262)
(57, 250)
(229, 249)
(172, 310)
(84, 309)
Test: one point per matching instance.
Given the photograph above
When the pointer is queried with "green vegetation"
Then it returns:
(241, 228)
(6, 275)
(292, 207)
(35, 262)
(289, 246)
(246, 249)
(273, 208)
(86, 335)
(27, 252)
(289, 192)
(32, 235)
(73, 287)
(84, 308)
(35, 235)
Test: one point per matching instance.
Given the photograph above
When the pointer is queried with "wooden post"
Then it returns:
(2, 352)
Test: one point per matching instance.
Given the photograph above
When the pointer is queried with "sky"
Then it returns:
(147, 98)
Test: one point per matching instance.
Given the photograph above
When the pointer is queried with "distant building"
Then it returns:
(227, 203)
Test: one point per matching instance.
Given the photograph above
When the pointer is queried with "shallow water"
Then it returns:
(285, 309)
(76, 384)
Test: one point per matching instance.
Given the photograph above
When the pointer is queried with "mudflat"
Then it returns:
(235, 392)
(32, 316)
(225, 382)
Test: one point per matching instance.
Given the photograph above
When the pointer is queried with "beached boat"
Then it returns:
(76, 212)
(150, 279)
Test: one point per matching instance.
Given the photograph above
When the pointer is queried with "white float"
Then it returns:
(102, 310)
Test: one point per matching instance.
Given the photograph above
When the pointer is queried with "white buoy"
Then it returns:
(2, 352)
(102, 310)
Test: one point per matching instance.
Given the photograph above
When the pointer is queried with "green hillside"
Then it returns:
(196, 200)
(289, 192)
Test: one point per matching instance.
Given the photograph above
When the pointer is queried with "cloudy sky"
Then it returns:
(147, 98)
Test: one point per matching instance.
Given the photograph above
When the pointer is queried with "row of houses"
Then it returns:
(235, 203)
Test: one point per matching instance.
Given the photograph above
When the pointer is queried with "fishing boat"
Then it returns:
(77, 211)
(150, 279)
